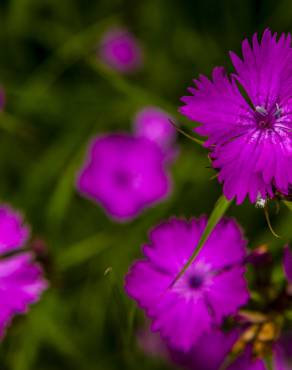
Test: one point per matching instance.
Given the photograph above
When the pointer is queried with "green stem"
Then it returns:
(14, 126)
(269, 363)
(219, 210)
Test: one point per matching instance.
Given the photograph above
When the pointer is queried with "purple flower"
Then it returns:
(287, 263)
(154, 124)
(249, 137)
(247, 362)
(283, 353)
(120, 50)
(124, 174)
(13, 234)
(21, 281)
(2, 98)
(212, 287)
(209, 353)
(152, 344)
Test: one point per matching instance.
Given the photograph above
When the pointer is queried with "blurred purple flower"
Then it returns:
(209, 353)
(154, 124)
(21, 280)
(246, 362)
(2, 98)
(259, 256)
(13, 233)
(212, 288)
(249, 139)
(120, 50)
(124, 174)
(152, 344)
(287, 263)
(283, 353)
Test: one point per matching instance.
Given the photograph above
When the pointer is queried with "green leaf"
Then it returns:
(63, 192)
(219, 210)
(83, 250)
(288, 204)
(14, 126)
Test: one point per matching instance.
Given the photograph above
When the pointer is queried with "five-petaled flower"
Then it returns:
(124, 174)
(212, 288)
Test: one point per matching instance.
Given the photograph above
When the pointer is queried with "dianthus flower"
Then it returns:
(124, 174)
(211, 288)
(154, 124)
(120, 50)
(21, 280)
(249, 133)
(209, 353)
(246, 362)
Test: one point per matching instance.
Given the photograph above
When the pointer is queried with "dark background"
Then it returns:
(58, 96)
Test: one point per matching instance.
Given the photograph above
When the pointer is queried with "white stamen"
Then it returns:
(278, 111)
(261, 202)
(262, 110)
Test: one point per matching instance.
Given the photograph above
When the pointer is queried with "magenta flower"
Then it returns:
(287, 263)
(212, 288)
(13, 234)
(154, 124)
(120, 50)
(249, 137)
(124, 174)
(2, 98)
(282, 353)
(247, 362)
(209, 353)
(151, 344)
(21, 281)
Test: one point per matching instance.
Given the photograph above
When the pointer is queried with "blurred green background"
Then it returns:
(58, 96)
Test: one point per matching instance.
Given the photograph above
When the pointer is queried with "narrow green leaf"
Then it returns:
(63, 192)
(83, 250)
(219, 210)
(288, 204)
(14, 126)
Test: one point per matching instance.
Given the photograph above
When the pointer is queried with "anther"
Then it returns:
(278, 111)
(262, 110)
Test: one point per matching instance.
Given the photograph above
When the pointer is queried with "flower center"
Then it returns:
(122, 178)
(195, 281)
(266, 119)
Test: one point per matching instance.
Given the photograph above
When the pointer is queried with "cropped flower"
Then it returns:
(13, 233)
(212, 288)
(246, 362)
(120, 50)
(151, 344)
(282, 353)
(21, 279)
(154, 124)
(124, 174)
(249, 134)
(2, 98)
(209, 353)
(287, 263)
